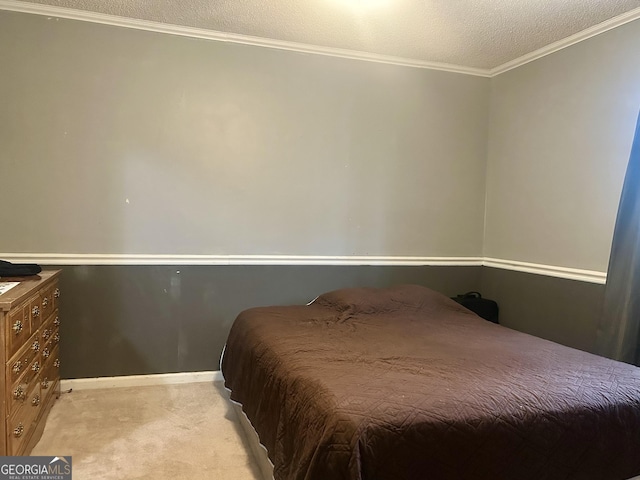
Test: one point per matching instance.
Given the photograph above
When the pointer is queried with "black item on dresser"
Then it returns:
(8, 269)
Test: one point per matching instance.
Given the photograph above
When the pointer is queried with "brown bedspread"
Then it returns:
(404, 383)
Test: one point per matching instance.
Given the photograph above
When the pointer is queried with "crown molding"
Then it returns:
(567, 42)
(193, 32)
(151, 26)
(158, 27)
(591, 276)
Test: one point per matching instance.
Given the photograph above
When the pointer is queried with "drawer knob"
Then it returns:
(46, 333)
(56, 363)
(45, 383)
(18, 393)
(56, 322)
(45, 302)
(46, 353)
(17, 367)
(35, 367)
(35, 346)
(35, 401)
(17, 326)
(56, 338)
(35, 311)
(18, 431)
(56, 293)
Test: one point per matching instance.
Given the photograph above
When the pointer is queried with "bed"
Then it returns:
(403, 383)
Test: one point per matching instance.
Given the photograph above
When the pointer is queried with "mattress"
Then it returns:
(404, 383)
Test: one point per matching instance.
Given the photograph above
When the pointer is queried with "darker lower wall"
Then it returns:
(127, 320)
(564, 311)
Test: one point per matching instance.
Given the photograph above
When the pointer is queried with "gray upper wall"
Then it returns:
(560, 135)
(124, 141)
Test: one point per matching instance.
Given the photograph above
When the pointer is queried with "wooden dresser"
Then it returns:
(30, 358)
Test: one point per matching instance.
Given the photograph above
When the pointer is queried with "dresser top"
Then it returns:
(27, 286)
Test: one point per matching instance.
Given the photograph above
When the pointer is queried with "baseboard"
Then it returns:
(140, 380)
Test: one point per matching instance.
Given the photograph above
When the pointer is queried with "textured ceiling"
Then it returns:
(470, 33)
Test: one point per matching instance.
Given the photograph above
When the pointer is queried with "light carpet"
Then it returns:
(186, 431)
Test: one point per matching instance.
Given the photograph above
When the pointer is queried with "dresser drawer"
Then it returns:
(50, 346)
(50, 374)
(20, 424)
(20, 389)
(21, 361)
(35, 310)
(52, 336)
(56, 319)
(47, 333)
(18, 329)
(46, 354)
(47, 303)
(56, 295)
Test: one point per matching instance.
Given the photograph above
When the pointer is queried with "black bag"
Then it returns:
(485, 308)
(8, 269)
